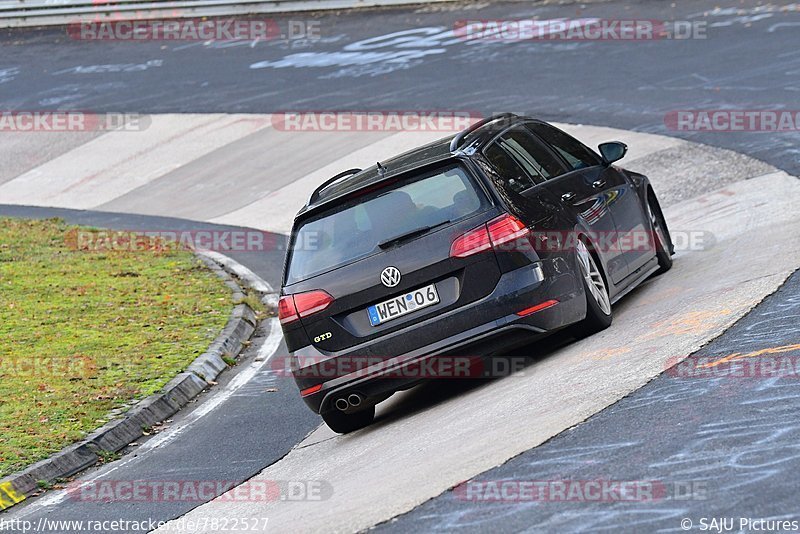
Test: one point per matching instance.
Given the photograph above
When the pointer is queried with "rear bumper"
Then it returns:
(461, 355)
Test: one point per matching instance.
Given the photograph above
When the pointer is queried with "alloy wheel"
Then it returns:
(594, 279)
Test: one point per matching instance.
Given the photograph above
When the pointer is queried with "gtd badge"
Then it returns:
(390, 276)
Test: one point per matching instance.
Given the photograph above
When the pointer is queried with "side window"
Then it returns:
(523, 160)
(508, 168)
(576, 153)
(531, 154)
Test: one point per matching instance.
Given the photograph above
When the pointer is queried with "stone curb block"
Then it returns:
(64, 463)
(119, 433)
(269, 297)
(240, 328)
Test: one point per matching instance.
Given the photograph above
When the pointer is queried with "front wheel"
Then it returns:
(598, 304)
(343, 423)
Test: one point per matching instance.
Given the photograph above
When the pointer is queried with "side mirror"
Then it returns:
(613, 151)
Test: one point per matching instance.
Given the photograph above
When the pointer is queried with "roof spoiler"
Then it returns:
(459, 138)
(326, 183)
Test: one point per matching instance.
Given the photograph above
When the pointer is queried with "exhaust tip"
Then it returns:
(354, 399)
(342, 404)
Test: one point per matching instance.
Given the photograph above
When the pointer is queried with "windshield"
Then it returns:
(359, 230)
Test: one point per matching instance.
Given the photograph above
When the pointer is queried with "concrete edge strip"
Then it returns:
(49, 16)
(119, 433)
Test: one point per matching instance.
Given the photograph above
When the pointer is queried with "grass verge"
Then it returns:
(83, 334)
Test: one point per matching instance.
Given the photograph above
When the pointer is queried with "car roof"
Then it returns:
(417, 157)
(430, 154)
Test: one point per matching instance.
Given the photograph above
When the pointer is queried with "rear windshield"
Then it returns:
(355, 231)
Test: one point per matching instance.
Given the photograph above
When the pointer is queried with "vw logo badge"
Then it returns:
(390, 276)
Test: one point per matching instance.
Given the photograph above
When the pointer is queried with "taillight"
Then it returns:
(293, 307)
(472, 242)
(505, 228)
(500, 230)
(286, 310)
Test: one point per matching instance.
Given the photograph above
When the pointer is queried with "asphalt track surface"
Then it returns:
(217, 446)
(649, 79)
(748, 60)
(714, 446)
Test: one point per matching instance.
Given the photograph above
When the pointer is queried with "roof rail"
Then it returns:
(457, 140)
(326, 183)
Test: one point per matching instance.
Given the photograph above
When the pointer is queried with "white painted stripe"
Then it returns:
(275, 212)
(118, 162)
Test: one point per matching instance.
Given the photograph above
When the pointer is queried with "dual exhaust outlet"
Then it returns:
(345, 404)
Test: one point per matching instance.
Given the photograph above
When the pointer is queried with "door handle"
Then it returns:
(597, 184)
(566, 197)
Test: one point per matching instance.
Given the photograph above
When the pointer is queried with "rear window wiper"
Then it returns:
(409, 235)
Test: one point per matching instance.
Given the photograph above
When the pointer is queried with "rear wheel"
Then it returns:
(598, 304)
(342, 423)
(662, 239)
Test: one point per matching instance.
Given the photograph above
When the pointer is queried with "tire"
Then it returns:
(598, 304)
(662, 239)
(344, 423)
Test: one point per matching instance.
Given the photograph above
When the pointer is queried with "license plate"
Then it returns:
(402, 305)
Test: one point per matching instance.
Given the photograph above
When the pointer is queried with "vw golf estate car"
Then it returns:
(471, 245)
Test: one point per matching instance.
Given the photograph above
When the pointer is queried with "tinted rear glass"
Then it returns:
(355, 230)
